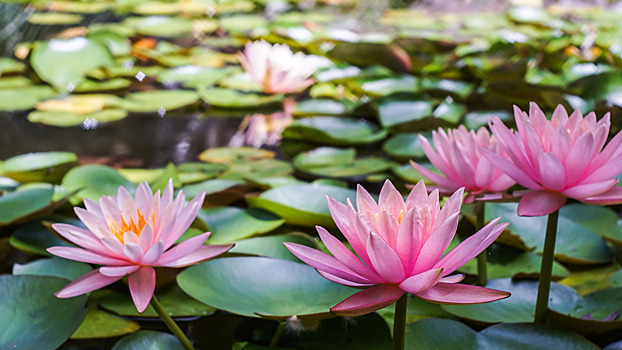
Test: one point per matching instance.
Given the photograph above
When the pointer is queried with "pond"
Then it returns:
(317, 142)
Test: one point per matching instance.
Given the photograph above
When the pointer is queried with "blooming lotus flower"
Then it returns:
(277, 68)
(398, 248)
(558, 159)
(458, 157)
(129, 236)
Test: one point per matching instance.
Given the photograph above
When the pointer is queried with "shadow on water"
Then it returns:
(154, 140)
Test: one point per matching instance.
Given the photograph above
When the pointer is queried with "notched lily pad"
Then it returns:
(230, 224)
(39, 167)
(595, 313)
(335, 131)
(335, 162)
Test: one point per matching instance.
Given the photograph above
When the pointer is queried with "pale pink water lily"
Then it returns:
(398, 247)
(558, 159)
(129, 236)
(277, 68)
(456, 154)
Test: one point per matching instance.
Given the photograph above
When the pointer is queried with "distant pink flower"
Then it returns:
(399, 248)
(129, 236)
(458, 157)
(277, 68)
(559, 158)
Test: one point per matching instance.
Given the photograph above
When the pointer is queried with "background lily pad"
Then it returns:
(94, 181)
(334, 131)
(230, 224)
(39, 167)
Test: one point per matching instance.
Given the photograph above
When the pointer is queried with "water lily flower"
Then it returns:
(277, 68)
(458, 157)
(398, 247)
(129, 236)
(558, 159)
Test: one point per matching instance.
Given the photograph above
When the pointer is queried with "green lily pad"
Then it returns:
(404, 146)
(519, 307)
(240, 24)
(173, 300)
(170, 173)
(54, 18)
(9, 65)
(407, 173)
(272, 246)
(66, 119)
(433, 334)
(230, 224)
(457, 89)
(252, 286)
(33, 316)
(335, 131)
(229, 98)
(595, 313)
(476, 119)
(16, 206)
(575, 243)
(58, 267)
(161, 26)
(34, 237)
(320, 106)
(24, 98)
(255, 169)
(209, 186)
(151, 340)
(226, 155)
(383, 86)
(15, 82)
(303, 205)
(159, 101)
(335, 162)
(39, 167)
(118, 44)
(90, 85)
(65, 62)
(407, 113)
(101, 324)
(193, 76)
(94, 181)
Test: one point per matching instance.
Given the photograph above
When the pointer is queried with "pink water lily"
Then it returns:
(129, 236)
(398, 247)
(559, 158)
(456, 153)
(277, 68)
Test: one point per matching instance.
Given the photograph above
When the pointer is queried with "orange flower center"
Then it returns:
(119, 229)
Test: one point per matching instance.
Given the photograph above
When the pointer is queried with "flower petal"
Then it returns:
(142, 285)
(510, 169)
(455, 293)
(421, 281)
(118, 271)
(86, 283)
(436, 244)
(368, 300)
(538, 203)
(589, 189)
(385, 260)
(86, 256)
(184, 248)
(201, 254)
(613, 196)
(551, 172)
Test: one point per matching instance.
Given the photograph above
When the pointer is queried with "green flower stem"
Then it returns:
(399, 322)
(480, 214)
(544, 285)
(277, 334)
(171, 324)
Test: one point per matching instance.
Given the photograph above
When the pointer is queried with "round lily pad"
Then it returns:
(407, 113)
(148, 340)
(302, 204)
(519, 307)
(32, 315)
(94, 181)
(225, 155)
(87, 121)
(252, 286)
(320, 106)
(404, 146)
(595, 313)
(55, 266)
(209, 186)
(162, 26)
(159, 101)
(335, 131)
(24, 98)
(332, 162)
(230, 224)
(272, 246)
(35, 237)
(101, 324)
(39, 167)
(64, 62)
(16, 206)
(54, 18)
(229, 98)
(193, 76)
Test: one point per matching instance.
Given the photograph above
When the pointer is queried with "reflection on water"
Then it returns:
(154, 140)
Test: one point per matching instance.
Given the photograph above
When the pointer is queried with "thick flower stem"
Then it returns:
(399, 322)
(480, 214)
(544, 285)
(171, 324)
(277, 334)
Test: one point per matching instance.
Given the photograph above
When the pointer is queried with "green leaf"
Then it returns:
(226, 155)
(407, 113)
(335, 162)
(272, 246)
(20, 204)
(101, 324)
(66, 119)
(150, 340)
(229, 98)
(159, 101)
(32, 315)
(39, 167)
(252, 286)
(230, 224)
(595, 313)
(320, 106)
(193, 76)
(94, 181)
(303, 205)
(24, 98)
(65, 62)
(209, 186)
(161, 26)
(404, 146)
(477, 119)
(170, 174)
(34, 237)
(334, 131)
(58, 267)
(54, 18)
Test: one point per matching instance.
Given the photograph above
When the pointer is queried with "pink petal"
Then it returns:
(153, 253)
(422, 281)
(87, 256)
(184, 248)
(86, 283)
(324, 262)
(84, 238)
(578, 158)
(340, 280)
(345, 218)
(183, 221)
(146, 236)
(590, 189)
(142, 285)
(511, 170)
(133, 252)
(417, 195)
(613, 196)
(368, 300)
(385, 260)
(201, 254)
(551, 172)
(387, 227)
(538, 203)
(436, 244)
(391, 200)
(409, 238)
(118, 271)
(364, 201)
(434, 177)
(452, 279)
(512, 146)
(454, 293)
(452, 206)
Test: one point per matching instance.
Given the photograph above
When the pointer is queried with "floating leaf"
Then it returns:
(334, 131)
(58, 267)
(595, 313)
(34, 237)
(407, 113)
(67, 119)
(159, 101)
(248, 285)
(404, 146)
(229, 98)
(335, 162)
(54, 18)
(193, 76)
(230, 224)
(39, 167)
(272, 246)
(94, 181)
(226, 155)
(161, 26)
(24, 98)
(16, 206)
(102, 324)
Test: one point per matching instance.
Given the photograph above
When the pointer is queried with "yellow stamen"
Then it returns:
(136, 227)
(400, 216)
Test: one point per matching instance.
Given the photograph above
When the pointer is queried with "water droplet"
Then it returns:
(90, 124)
(161, 112)
(327, 46)
(70, 87)
(140, 75)
(210, 11)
